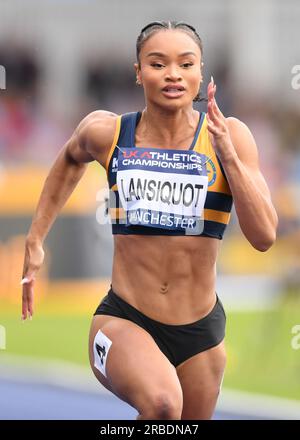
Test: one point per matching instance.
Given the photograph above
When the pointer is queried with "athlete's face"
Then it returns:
(170, 69)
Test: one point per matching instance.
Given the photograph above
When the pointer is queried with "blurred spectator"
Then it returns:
(109, 84)
(22, 69)
(26, 131)
(18, 101)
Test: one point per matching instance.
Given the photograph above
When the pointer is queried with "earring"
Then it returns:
(138, 83)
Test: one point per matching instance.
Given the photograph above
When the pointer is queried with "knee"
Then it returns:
(163, 406)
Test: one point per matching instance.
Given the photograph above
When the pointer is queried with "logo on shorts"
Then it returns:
(101, 352)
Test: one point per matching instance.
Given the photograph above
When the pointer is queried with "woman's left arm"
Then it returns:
(237, 151)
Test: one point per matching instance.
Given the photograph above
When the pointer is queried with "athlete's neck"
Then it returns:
(166, 128)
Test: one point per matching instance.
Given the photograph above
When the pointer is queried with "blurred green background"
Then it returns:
(260, 356)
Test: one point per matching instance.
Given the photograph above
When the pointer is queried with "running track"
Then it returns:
(33, 389)
(39, 401)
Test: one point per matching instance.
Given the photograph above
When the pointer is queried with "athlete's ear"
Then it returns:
(137, 73)
(201, 73)
(201, 69)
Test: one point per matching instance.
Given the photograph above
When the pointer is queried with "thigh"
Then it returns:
(136, 369)
(200, 377)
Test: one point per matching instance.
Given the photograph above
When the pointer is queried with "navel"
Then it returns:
(164, 287)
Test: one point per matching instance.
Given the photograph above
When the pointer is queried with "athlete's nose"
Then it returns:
(173, 74)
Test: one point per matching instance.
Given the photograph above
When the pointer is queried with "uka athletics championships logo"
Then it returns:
(211, 172)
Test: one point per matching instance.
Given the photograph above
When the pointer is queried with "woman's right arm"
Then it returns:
(89, 141)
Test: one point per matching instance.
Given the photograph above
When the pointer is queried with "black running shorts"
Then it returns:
(177, 342)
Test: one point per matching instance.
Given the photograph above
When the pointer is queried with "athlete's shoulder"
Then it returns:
(236, 126)
(99, 120)
(242, 138)
(99, 116)
(97, 129)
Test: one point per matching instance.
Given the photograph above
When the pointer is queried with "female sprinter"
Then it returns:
(157, 338)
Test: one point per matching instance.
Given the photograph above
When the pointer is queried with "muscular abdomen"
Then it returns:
(170, 279)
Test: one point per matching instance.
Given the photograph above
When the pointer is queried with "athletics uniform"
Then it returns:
(156, 191)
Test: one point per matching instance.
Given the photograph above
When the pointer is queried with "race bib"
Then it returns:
(162, 188)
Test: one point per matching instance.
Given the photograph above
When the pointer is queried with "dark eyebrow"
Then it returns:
(159, 54)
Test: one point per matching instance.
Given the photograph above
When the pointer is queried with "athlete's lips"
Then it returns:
(173, 91)
(170, 87)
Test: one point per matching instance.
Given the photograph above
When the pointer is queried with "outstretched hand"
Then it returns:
(216, 123)
(34, 257)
